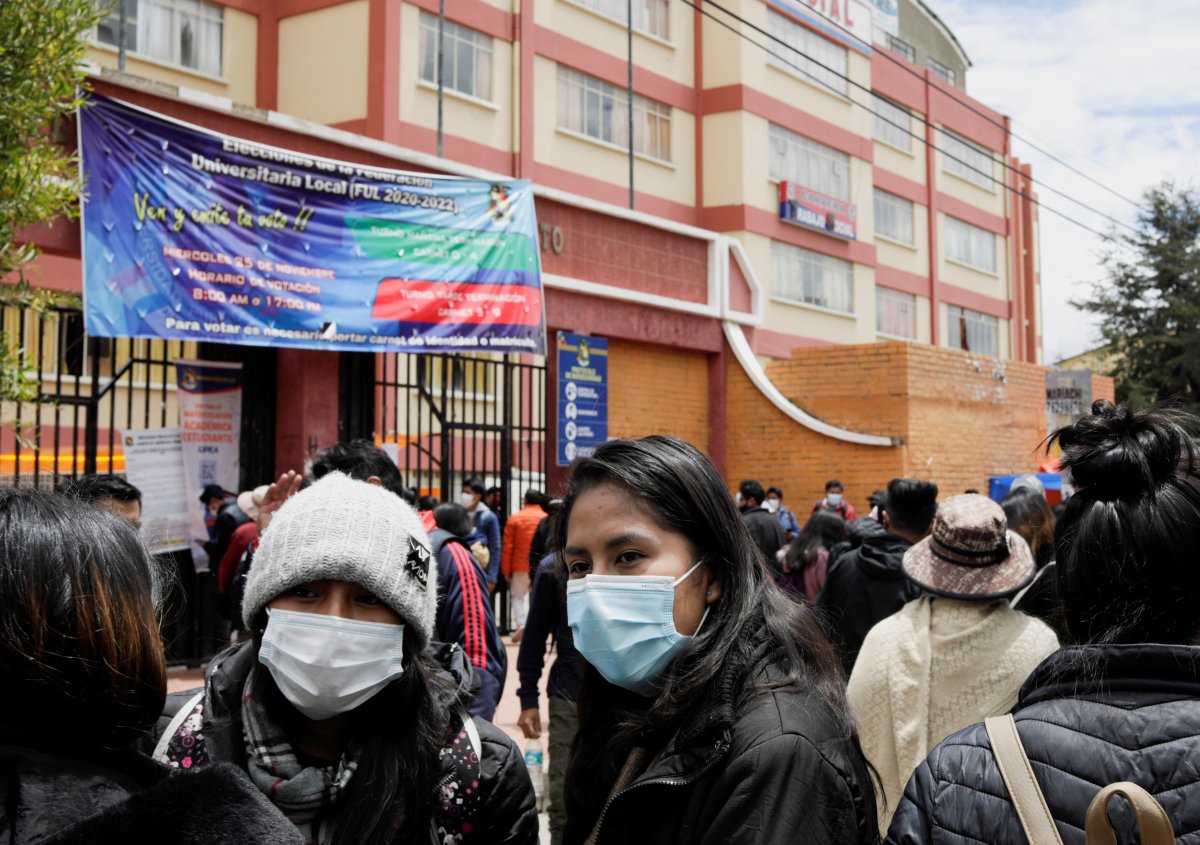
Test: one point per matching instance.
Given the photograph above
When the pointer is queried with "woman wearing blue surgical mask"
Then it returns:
(340, 708)
(712, 708)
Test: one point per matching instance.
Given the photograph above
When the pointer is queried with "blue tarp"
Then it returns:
(999, 485)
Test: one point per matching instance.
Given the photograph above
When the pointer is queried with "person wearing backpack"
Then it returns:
(1121, 701)
(464, 611)
(340, 707)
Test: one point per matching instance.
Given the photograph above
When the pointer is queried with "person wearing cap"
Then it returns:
(339, 707)
(955, 655)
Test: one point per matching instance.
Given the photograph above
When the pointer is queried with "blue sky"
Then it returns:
(1109, 86)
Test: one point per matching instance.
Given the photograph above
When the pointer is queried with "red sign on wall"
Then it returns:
(806, 207)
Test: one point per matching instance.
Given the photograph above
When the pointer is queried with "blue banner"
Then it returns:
(582, 395)
(193, 235)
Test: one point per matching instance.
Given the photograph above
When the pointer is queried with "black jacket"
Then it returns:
(776, 768)
(69, 796)
(547, 618)
(1088, 716)
(862, 588)
(767, 534)
(507, 814)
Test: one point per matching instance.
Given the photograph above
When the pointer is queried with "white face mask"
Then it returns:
(834, 499)
(326, 665)
(773, 505)
(467, 500)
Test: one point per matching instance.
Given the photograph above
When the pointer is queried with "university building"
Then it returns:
(811, 251)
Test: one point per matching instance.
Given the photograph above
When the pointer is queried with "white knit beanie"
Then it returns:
(346, 530)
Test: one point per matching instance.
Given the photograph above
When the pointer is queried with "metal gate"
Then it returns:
(454, 417)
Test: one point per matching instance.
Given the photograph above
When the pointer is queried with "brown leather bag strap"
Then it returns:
(1023, 789)
(1152, 821)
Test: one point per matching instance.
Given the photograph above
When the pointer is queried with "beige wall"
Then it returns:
(323, 63)
(239, 51)
(727, 175)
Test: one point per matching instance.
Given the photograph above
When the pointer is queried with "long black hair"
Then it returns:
(824, 529)
(752, 625)
(1127, 540)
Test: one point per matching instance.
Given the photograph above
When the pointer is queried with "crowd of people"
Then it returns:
(724, 672)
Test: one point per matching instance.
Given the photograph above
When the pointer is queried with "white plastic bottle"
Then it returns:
(533, 762)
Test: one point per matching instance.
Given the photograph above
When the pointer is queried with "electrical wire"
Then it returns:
(903, 65)
(906, 130)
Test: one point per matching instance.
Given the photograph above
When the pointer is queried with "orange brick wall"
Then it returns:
(657, 390)
(961, 418)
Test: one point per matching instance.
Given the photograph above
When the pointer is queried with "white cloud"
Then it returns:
(1108, 87)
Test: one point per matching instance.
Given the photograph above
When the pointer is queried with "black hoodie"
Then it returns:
(863, 587)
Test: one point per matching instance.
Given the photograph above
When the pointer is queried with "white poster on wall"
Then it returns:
(154, 465)
(885, 16)
(210, 417)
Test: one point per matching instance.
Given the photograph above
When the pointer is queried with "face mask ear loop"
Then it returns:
(685, 575)
(696, 633)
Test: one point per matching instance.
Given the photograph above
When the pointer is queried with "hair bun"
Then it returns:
(1118, 453)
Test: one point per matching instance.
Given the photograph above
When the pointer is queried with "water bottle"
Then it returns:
(533, 762)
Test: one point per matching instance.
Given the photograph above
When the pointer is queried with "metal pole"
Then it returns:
(441, 46)
(629, 85)
(122, 19)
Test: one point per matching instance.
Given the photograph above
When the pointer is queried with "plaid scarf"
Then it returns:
(300, 792)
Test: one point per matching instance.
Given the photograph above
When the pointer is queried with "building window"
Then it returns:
(598, 110)
(946, 74)
(649, 16)
(892, 124)
(810, 277)
(902, 48)
(794, 158)
(187, 33)
(967, 161)
(466, 57)
(895, 313)
(803, 51)
(971, 331)
(894, 217)
(970, 245)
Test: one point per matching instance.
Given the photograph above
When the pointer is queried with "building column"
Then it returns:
(306, 405)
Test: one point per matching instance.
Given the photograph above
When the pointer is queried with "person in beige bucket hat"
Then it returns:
(953, 656)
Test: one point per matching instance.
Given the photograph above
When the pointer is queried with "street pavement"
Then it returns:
(179, 679)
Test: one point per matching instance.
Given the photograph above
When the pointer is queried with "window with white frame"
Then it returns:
(942, 72)
(971, 331)
(466, 57)
(970, 245)
(649, 16)
(891, 123)
(967, 161)
(810, 277)
(794, 158)
(187, 33)
(802, 51)
(895, 313)
(894, 217)
(902, 48)
(594, 108)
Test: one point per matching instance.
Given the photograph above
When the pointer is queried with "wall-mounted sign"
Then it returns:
(847, 21)
(885, 16)
(193, 235)
(582, 395)
(806, 207)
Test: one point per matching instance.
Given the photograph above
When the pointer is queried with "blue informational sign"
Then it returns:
(193, 235)
(582, 395)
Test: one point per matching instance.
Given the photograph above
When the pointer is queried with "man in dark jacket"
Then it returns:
(868, 584)
(464, 611)
(763, 525)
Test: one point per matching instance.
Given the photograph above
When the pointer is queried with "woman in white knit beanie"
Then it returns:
(954, 656)
(340, 708)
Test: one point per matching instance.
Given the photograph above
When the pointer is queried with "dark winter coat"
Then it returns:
(71, 796)
(767, 534)
(465, 616)
(777, 767)
(862, 588)
(1088, 716)
(507, 814)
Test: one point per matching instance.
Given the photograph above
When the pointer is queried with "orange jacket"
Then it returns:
(518, 537)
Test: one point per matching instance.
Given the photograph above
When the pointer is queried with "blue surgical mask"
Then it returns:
(624, 625)
(834, 499)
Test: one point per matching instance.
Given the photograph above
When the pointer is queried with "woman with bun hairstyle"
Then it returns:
(339, 707)
(712, 707)
(82, 675)
(1122, 701)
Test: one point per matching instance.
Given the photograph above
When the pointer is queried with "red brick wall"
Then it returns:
(657, 390)
(961, 418)
(1104, 387)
